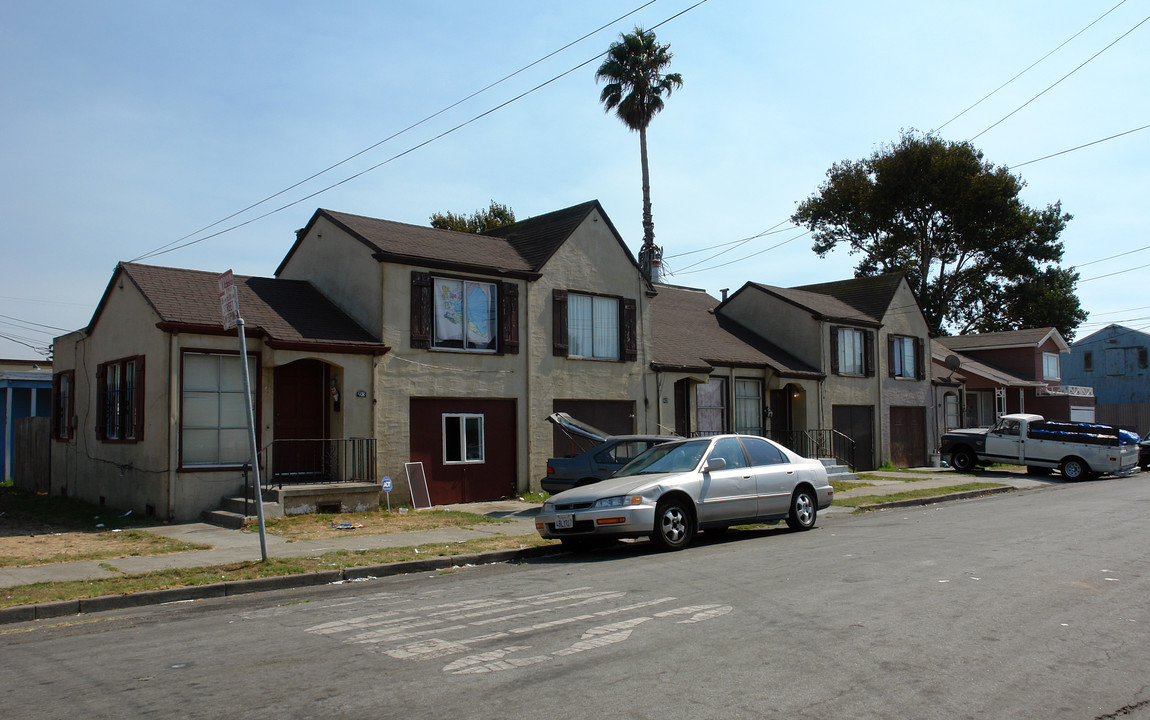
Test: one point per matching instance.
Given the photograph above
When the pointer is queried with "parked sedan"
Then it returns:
(607, 456)
(677, 488)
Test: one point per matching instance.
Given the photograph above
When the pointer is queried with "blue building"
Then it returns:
(1115, 361)
(25, 391)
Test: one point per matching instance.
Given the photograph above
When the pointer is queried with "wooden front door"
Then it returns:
(300, 425)
(857, 423)
(908, 436)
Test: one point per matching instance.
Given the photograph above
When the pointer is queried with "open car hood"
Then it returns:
(574, 427)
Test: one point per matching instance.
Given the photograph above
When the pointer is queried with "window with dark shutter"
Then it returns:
(559, 322)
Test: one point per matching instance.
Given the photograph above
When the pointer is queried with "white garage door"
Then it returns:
(1082, 414)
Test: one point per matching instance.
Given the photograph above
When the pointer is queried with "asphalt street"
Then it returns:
(1025, 605)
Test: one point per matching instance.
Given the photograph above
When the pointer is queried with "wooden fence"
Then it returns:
(31, 453)
(1132, 416)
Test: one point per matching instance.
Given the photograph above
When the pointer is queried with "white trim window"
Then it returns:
(902, 359)
(593, 326)
(748, 407)
(213, 419)
(462, 438)
(851, 349)
(466, 315)
(1050, 369)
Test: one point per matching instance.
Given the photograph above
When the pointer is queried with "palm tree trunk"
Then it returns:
(647, 252)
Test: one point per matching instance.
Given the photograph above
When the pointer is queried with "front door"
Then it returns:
(908, 436)
(857, 423)
(300, 426)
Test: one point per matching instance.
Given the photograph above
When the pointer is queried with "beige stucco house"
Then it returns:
(416, 344)
(869, 339)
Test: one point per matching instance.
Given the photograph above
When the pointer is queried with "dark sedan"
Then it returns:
(608, 454)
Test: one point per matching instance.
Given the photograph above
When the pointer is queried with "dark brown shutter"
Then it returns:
(559, 323)
(138, 430)
(834, 350)
(890, 355)
(627, 328)
(101, 401)
(868, 352)
(420, 310)
(509, 318)
(920, 359)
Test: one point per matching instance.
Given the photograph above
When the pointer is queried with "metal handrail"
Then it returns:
(317, 460)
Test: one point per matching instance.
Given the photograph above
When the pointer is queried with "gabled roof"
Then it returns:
(1033, 338)
(287, 313)
(517, 250)
(870, 296)
(821, 306)
(1114, 331)
(690, 337)
(970, 366)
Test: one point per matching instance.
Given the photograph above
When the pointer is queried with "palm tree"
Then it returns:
(635, 87)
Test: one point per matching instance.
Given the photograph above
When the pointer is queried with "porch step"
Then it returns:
(231, 513)
(836, 472)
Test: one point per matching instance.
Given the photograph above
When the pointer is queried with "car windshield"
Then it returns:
(669, 457)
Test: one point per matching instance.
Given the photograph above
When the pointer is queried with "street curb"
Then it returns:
(62, 608)
(916, 502)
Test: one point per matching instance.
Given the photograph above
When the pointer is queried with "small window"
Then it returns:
(902, 358)
(120, 400)
(851, 352)
(762, 452)
(63, 404)
(462, 438)
(1142, 360)
(593, 327)
(1050, 369)
(1088, 361)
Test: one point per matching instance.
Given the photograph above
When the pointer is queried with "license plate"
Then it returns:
(564, 522)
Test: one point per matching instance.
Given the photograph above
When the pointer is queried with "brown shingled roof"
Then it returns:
(690, 337)
(1005, 339)
(285, 311)
(871, 296)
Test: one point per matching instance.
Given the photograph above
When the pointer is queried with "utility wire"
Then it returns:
(176, 244)
(1047, 157)
(29, 322)
(1119, 272)
(1060, 79)
(992, 92)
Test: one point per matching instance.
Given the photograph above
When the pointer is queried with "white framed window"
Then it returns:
(593, 326)
(902, 358)
(711, 407)
(1050, 369)
(213, 418)
(462, 438)
(851, 349)
(465, 315)
(749, 407)
(950, 411)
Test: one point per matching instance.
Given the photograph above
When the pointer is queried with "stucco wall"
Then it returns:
(785, 325)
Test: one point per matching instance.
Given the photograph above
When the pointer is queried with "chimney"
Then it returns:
(724, 291)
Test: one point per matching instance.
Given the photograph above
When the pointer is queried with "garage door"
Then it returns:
(908, 436)
(857, 423)
(467, 448)
(614, 417)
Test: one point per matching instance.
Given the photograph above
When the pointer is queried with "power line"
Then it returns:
(1120, 272)
(992, 92)
(29, 322)
(745, 257)
(1047, 157)
(1061, 79)
(176, 244)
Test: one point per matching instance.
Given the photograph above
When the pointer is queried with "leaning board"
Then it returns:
(417, 481)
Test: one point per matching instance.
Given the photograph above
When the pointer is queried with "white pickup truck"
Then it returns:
(1078, 450)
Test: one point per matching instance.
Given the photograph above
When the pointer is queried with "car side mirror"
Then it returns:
(715, 464)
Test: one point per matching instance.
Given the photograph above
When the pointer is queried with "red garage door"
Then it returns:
(467, 448)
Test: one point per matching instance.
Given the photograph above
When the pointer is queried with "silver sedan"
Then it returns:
(675, 489)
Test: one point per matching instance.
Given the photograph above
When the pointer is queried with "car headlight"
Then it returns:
(618, 501)
(548, 507)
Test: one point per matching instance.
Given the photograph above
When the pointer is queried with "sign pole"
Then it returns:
(230, 307)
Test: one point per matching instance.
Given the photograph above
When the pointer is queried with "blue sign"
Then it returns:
(386, 483)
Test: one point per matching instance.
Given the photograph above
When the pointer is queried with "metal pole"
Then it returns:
(252, 439)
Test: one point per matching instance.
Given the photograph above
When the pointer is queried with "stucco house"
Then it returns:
(1115, 362)
(868, 338)
(1016, 371)
(425, 345)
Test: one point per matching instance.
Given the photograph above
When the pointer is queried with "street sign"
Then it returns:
(229, 300)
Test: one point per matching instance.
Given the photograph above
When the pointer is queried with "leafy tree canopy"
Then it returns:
(978, 259)
(478, 221)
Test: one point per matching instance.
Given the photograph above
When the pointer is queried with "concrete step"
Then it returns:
(232, 512)
(225, 519)
(241, 506)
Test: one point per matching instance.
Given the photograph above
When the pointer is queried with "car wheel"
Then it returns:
(963, 460)
(1040, 471)
(804, 510)
(1075, 469)
(674, 525)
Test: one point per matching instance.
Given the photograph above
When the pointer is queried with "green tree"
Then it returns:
(494, 216)
(977, 258)
(635, 87)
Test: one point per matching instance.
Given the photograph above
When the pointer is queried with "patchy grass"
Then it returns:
(40, 529)
(534, 497)
(274, 567)
(399, 520)
(859, 502)
(891, 477)
(844, 485)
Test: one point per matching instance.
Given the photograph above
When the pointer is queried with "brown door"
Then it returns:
(908, 436)
(857, 423)
(300, 426)
(467, 447)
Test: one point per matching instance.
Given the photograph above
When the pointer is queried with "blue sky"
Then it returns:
(127, 126)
